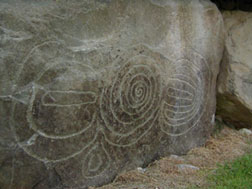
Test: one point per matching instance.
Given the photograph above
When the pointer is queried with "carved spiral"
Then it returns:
(132, 100)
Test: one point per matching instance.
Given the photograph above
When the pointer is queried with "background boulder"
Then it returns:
(235, 79)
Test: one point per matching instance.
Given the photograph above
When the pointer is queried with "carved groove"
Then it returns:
(139, 97)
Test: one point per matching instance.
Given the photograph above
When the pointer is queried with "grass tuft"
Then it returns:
(237, 174)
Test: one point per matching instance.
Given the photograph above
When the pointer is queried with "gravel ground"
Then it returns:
(189, 170)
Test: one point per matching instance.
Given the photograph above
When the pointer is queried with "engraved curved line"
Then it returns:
(111, 106)
(32, 124)
(195, 123)
(194, 67)
(121, 105)
(188, 79)
(188, 84)
(29, 54)
(201, 113)
(107, 165)
(180, 98)
(195, 109)
(136, 140)
(182, 91)
(179, 106)
(187, 118)
(39, 75)
(192, 63)
(191, 106)
(46, 160)
(98, 165)
(140, 125)
(191, 115)
(13, 108)
(142, 105)
(12, 98)
(13, 161)
(180, 112)
(141, 82)
(182, 81)
(92, 96)
(140, 94)
(185, 82)
(128, 133)
(199, 117)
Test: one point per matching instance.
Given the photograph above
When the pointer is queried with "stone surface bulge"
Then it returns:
(100, 87)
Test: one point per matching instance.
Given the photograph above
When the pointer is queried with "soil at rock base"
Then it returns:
(224, 146)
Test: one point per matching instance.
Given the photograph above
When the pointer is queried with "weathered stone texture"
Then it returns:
(235, 80)
(93, 88)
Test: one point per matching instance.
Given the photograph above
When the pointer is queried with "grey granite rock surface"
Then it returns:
(89, 89)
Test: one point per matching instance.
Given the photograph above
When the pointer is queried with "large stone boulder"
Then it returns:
(93, 88)
(235, 80)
